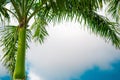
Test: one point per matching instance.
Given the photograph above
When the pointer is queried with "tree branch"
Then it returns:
(16, 9)
(29, 7)
(36, 11)
(12, 13)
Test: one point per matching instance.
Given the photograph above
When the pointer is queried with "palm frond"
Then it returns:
(63, 9)
(9, 42)
(114, 9)
(3, 11)
(100, 25)
(84, 10)
(39, 29)
(51, 8)
(8, 38)
(28, 37)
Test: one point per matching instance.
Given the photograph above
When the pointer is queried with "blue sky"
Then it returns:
(71, 53)
(97, 74)
(94, 74)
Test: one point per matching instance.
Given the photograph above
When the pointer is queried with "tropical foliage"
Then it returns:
(14, 38)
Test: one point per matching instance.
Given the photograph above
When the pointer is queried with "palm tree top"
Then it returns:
(45, 11)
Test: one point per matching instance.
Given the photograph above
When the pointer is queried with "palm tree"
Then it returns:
(14, 38)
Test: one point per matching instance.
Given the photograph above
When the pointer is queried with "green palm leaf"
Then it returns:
(3, 11)
(39, 30)
(114, 9)
(8, 38)
(9, 41)
(84, 10)
(103, 27)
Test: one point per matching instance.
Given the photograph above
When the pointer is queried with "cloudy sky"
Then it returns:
(71, 52)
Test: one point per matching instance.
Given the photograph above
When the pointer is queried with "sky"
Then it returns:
(70, 52)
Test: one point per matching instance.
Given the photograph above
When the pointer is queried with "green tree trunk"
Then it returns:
(19, 72)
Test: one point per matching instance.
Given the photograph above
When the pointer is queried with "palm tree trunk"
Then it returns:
(19, 72)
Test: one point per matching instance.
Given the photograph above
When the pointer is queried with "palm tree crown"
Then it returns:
(14, 38)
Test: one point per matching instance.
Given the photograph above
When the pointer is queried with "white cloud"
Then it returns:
(33, 76)
(3, 70)
(68, 51)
